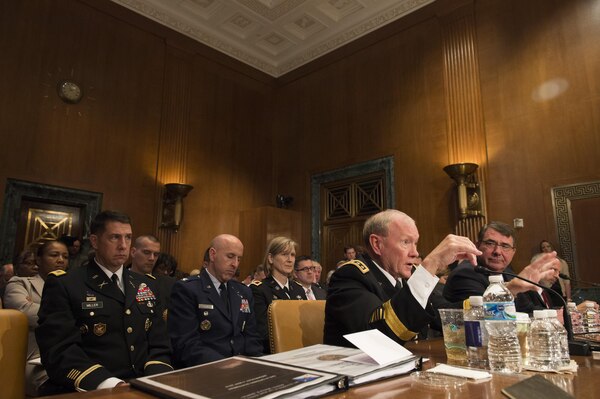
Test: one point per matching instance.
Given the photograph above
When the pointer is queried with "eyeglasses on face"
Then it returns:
(491, 244)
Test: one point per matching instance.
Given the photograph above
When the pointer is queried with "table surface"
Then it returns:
(580, 385)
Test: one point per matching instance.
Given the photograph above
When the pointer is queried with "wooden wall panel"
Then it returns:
(541, 94)
(106, 143)
(387, 99)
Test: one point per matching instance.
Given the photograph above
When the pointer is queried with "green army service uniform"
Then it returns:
(89, 330)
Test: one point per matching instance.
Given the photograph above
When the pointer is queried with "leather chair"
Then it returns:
(13, 353)
(295, 324)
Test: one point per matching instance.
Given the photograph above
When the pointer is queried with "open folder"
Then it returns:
(241, 377)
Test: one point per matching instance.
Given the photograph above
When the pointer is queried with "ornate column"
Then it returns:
(465, 124)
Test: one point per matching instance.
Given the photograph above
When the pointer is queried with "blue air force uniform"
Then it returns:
(89, 330)
(201, 327)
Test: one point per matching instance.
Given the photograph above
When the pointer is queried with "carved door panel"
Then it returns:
(41, 221)
(345, 205)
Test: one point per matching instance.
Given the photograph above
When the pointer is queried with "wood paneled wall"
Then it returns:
(155, 111)
(391, 97)
(159, 106)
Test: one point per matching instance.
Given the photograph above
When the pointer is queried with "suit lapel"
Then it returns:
(387, 290)
(235, 301)
(98, 281)
(38, 284)
(212, 293)
(131, 287)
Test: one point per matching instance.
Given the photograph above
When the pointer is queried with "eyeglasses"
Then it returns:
(307, 269)
(491, 244)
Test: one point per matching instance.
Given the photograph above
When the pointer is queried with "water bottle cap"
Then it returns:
(496, 278)
(539, 314)
(589, 304)
(550, 313)
(571, 305)
(476, 300)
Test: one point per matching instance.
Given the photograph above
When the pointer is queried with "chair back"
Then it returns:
(294, 324)
(13, 353)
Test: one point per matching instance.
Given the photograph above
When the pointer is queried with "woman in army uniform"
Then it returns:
(279, 264)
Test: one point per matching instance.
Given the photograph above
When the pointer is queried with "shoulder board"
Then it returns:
(151, 276)
(190, 278)
(256, 283)
(364, 269)
(58, 273)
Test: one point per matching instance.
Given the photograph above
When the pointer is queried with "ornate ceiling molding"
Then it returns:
(274, 36)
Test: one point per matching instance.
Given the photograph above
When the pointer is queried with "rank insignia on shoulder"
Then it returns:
(256, 282)
(58, 273)
(150, 276)
(364, 269)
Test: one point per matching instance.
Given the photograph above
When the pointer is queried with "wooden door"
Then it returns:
(345, 206)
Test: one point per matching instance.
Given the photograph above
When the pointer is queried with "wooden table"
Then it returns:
(580, 385)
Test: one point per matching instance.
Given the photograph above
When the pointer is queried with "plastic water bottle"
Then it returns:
(523, 323)
(563, 338)
(498, 301)
(475, 333)
(544, 344)
(591, 319)
(576, 318)
(504, 351)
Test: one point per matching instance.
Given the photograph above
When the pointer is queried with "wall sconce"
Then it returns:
(468, 189)
(172, 212)
(283, 201)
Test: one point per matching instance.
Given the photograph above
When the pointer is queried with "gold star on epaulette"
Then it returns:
(58, 273)
(256, 282)
(364, 269)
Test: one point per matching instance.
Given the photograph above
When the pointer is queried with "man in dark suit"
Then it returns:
(304, 274)
(101, 324)
(538, 298)
(496, 241)
(211, 317)
(366, 294)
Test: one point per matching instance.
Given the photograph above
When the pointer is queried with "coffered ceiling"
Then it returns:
(274, 36)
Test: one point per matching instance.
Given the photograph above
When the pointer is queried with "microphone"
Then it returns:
(565, 277)
(576, 348)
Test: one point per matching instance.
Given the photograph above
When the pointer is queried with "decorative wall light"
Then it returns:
(172, 212)
(468, 189)
(283, 201)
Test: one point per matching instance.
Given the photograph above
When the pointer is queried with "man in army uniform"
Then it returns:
(368, 293)
(211, 315)
(99, 324)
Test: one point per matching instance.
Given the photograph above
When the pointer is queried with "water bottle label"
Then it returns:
(475, 334)
(499, 311)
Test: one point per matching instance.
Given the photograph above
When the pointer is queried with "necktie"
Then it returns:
(310, 294)
(115, 280)
(224, 297)
(546, 298)
(286, 292)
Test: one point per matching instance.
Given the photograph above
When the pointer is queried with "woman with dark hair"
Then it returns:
(25, 294)
(25, 265)
(165, 265)
(279, 265)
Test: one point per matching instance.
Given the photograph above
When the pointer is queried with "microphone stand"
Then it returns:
(576, 348)
(565, 277)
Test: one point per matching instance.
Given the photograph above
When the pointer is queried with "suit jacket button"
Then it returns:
(128, 311)
(129, 330)
(132, 348)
